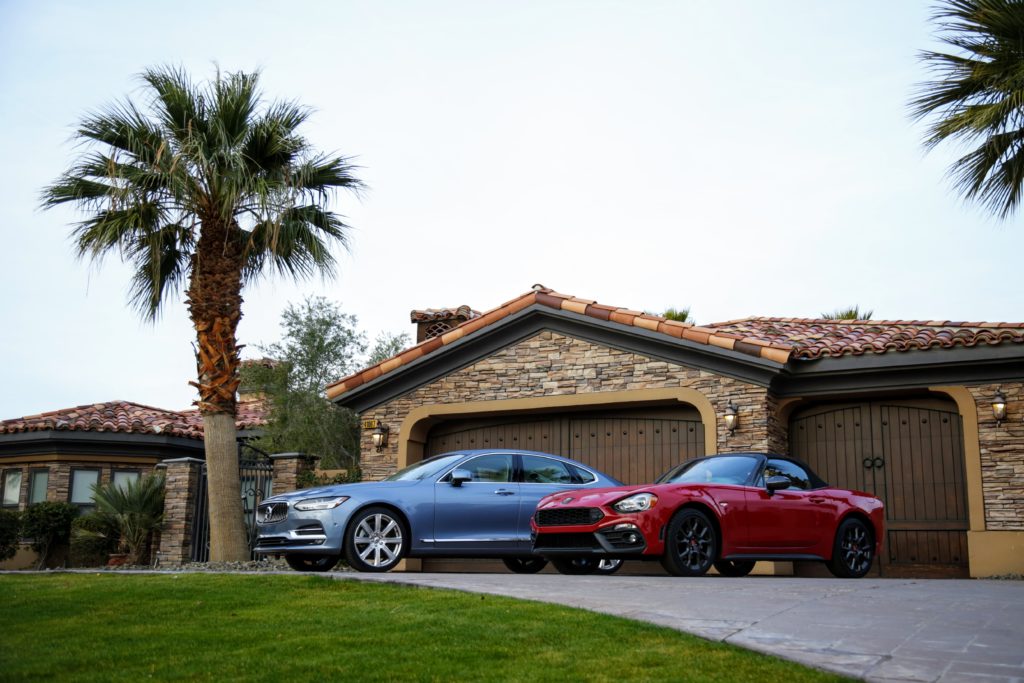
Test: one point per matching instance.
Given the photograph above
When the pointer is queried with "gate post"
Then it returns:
(288, 467)
(181, 487)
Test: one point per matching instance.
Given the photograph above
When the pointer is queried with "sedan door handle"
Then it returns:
(505, 492)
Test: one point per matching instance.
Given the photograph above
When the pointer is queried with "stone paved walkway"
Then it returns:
(877, 629)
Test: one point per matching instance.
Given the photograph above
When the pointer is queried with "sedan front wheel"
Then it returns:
(311, 563)
(376, 540)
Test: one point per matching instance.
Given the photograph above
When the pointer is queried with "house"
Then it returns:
(926, 414)
(60, 455)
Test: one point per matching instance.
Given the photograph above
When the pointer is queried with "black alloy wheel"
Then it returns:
(525, 565)
(577, 566)
(312, 563)
(734, 567)
(691, 544)
(853, 551)
(376, 540)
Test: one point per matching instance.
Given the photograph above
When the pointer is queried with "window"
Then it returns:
(720, 469)
(82, 482)
(797, 476)
(490, 468)
(122, 478)
(12, 488)
(583, 476)
(37, 483)
(537, 470)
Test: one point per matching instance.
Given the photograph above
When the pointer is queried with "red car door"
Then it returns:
(789, 520)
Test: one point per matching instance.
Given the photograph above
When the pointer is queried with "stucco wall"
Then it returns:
(551, 364)
(1002, 457)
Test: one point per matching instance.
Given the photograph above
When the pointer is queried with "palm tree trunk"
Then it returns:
(215, 306)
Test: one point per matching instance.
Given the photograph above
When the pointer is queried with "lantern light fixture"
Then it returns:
(731, 417)
(380, 437)
(999, 407)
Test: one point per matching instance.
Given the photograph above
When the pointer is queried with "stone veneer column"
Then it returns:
(288, 467)
(181, 487)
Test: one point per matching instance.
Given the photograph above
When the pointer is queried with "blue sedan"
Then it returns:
(462, 504)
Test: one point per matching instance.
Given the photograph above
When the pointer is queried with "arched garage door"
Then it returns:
(908, 453)
(633, 446)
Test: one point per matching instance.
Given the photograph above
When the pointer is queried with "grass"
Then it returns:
(102, 627)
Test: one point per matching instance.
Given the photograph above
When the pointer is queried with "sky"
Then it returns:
(741, 158)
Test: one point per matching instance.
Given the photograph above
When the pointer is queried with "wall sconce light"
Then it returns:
(380, 437)
(731, 417)
(999, 407)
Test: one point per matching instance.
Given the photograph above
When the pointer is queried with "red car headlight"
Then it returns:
(636, 503)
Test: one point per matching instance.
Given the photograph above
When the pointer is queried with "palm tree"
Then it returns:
(978, 98)
(848, 313)
(207, 187)
(131, 513)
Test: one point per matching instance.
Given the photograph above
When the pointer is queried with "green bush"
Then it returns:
(134, 512)
(93, 539)
(10, 533)
(47, 525)
(308, 479)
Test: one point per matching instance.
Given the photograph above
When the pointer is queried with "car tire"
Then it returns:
(853, 551)
(734, 567)
(376, 540)
(312, 563)
(525, 565)
(577, 566)
(691, 544)
(608, 567)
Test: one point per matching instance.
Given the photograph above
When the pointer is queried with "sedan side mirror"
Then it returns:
(776, 484)
(459, 477)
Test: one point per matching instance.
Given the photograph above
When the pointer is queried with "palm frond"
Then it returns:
(977, 97)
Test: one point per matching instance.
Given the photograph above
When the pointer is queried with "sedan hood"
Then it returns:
(590, 497)
(362, 488)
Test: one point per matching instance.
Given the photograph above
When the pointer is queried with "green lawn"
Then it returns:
(104, 627)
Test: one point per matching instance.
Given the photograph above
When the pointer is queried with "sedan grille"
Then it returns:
(568, 516)
(268, 513)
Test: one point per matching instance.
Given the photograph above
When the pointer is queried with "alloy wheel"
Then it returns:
(378, 540)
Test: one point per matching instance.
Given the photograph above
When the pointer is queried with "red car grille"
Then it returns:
(566, 541)
(568, 516)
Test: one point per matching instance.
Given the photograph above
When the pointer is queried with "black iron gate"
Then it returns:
(256, 472)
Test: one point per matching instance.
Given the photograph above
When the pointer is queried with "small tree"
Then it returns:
(320, 344)
(848, 313)
(388, 344)
(48, 525)
(133, 512)
(10, 533)
(681, 315)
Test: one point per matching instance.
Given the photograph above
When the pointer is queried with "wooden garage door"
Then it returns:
(632, 447)
(909, 454)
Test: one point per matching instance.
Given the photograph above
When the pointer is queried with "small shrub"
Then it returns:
(310, 479)
(134, 511)
(93, 539)
(48, 525)
(10, 533)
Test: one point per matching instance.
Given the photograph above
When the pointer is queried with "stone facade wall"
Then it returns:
(288, 467)
(1002, 457)
(551, 364)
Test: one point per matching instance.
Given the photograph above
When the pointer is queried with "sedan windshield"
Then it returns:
(733, 469)
(426, 468)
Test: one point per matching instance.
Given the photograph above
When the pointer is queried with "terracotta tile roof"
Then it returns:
(817, 338)
(774, 339)
(130, 418)
(427, 314)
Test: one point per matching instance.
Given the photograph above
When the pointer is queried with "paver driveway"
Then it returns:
(878, 629)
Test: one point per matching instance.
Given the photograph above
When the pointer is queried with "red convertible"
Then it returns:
(726, 511)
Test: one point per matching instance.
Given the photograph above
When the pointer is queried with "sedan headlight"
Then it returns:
(637, 503)
(328, 503)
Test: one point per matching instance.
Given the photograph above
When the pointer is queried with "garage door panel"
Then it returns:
(910, 456)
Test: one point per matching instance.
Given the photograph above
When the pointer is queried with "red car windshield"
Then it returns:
(724, 469)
